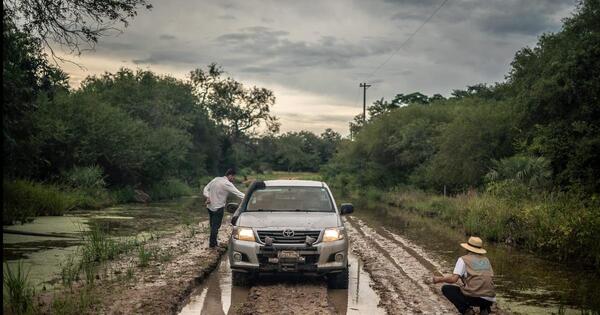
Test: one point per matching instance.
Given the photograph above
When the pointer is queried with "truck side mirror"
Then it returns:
(231, 207)
(346, 208)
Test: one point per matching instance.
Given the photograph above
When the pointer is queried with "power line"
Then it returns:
(409, 38)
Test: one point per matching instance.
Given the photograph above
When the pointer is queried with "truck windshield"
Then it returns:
(290, 199)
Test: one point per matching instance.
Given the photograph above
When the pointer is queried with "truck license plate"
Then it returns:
(288, 255)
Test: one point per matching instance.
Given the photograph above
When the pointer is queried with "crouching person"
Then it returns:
(475, 271)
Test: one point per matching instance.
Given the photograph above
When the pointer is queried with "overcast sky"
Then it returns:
(313, 54)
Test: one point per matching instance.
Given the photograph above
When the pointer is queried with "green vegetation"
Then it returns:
(559, 225)
(144, 256)
(22, 200)
(519, 158)
(169, 189)
(130, 133)
(74, 303)
(17, 292)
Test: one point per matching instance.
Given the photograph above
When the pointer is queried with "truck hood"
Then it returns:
(294, 220)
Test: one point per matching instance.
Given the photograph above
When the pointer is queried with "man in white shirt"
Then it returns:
(216, 193)
(476, 273)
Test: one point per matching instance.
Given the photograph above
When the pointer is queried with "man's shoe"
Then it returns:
(469, 311)
(484, 311)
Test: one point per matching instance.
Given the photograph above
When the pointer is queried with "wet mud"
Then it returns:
(284, 295)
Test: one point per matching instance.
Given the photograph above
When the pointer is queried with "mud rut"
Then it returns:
(398, 268)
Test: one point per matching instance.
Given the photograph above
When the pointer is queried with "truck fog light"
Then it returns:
(237, 256)
(339, 257)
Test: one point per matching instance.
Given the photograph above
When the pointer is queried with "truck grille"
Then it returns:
(298, 237)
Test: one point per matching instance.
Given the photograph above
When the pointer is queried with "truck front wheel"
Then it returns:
(241, 279)
(338, 280)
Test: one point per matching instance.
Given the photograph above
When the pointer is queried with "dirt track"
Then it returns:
(399, 272)
(399, 269)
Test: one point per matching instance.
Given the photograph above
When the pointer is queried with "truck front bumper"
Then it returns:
(320, 258)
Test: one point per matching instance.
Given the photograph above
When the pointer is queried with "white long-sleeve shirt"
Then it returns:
(217, 191)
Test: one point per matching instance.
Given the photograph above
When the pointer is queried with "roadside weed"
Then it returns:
(17, 291)
(74, 303)
(89, 270)
(130, 273)
(69, 272)
(165, 256)
(143, 256)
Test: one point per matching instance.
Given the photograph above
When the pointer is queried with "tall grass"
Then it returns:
(17, 291)
(80, 302)
(560, 225)
(169, 189)
(24, 199)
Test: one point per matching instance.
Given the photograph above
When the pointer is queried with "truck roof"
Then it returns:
(294, 182)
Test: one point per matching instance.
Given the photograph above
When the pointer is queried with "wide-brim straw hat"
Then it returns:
(474, 244)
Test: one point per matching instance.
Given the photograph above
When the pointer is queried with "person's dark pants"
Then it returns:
(464, 302)
(215, 218)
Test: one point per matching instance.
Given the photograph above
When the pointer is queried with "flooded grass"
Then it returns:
(122, 226)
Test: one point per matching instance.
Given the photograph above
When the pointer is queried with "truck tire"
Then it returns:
(338, 280)
(241, 279)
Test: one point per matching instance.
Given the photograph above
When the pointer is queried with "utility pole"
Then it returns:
(364, 86)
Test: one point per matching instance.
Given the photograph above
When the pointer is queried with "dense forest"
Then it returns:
(530, 145)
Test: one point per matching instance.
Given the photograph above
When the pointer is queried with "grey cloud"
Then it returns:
(404, 16)
(498, 17)
(257, 70)
(321, 118)
(280, 51)
(169, 56)
(510, 24)
(167, 37)
(227, 17)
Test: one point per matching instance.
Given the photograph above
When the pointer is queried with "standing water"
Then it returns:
(216, 295)
(525, 283)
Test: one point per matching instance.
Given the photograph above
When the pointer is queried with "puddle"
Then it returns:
(360, 297)
(216, 295)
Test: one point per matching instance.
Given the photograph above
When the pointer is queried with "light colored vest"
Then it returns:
(478, 281)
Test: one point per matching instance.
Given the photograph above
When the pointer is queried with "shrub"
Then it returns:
(23, 199)
(122, 194)
(169, 189)
(90, 177)
(87, 186)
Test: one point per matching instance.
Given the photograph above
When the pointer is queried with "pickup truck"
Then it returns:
(289, 226)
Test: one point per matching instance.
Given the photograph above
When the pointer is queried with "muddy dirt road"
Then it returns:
(388, 275)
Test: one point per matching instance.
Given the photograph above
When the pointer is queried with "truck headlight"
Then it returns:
(332, 234)
(244, 234)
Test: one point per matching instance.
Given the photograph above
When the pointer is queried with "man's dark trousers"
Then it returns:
(463, 302)
(215, 218)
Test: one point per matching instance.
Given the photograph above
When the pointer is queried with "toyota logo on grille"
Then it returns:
(288, 233)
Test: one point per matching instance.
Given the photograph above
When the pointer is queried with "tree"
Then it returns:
(381, 107)
(329, 142)
(71, 23)
(26, 76)
(558, 84)
(239, 110)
